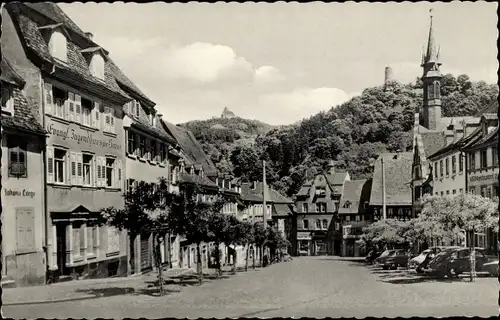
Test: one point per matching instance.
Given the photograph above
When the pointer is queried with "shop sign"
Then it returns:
(19, 193)
(68, 133)
(303, 236)
(489, 177)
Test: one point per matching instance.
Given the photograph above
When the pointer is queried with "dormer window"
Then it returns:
(97, 66)
(7, 100)
(58, 45)
(347, 204)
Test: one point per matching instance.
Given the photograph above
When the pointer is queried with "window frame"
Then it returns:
(91, 169)
(110, 176)
(53, 48)
(305, 207)
(305, 224)
(483, 155)
(64, 169)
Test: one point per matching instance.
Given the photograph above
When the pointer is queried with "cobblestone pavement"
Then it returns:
(306, 286)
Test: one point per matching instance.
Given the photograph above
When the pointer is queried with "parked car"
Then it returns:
(383, 256)
(491, 267)
(452, 263)
(397, 258)
(420, 262)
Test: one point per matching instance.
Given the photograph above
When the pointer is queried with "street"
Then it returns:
(306, 286)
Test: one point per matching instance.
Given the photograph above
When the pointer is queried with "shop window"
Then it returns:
(18, 161)
(110, 172)
(7, 100)
(25, 229)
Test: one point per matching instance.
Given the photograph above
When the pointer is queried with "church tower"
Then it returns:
(431, 79)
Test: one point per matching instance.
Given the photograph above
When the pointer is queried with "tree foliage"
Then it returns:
(352, 134)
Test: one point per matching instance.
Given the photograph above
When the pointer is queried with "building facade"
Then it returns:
(319, 231)
(354, 214)
(24, 259)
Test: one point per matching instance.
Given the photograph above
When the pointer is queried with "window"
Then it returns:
(151, 151)
(137, 108)
(318, 224)
(453, 164)
(484, 159)
(447, 192)
(142, 147)
(447, 162)
(86, 112)
(325, 224)
(58, 46)
(96, 122)
(461, 190)
(131, 143)
(441, 169)
(495, 190)
(130, 185)
(110, 172)
(483, 191)
(442, 193)
(60, 96)
(437, 193)
(7, 99)
(87, 169)
(488, 192)
(418, 193)
(357, 218)
(97, 66)
(305, 207)
(347, 218)
(59, 165)
(347, 204)
(430, 91)
(460, 163)
(472, 161)
(436, 169)
(472, 190)
(76, 241)
(367, 205)
(25, 229)
(18, 166)
(494, 156)
(109, 119)
(305, 223)
(92, 239)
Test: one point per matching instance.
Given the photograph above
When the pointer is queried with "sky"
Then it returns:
(282, 62)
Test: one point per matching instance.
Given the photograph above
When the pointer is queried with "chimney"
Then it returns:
(388, 74)
(89, 35)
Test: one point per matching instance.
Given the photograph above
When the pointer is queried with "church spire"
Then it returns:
(431, 54)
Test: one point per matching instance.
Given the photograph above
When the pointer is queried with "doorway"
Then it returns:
(61, 248)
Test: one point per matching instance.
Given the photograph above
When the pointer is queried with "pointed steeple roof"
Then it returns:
(432, 54)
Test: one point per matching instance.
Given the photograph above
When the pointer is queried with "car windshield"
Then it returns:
(386, 253)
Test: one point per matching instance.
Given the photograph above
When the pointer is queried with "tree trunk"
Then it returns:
(198, 264)
(246, 256)
(253, 256)
(472, 255)
(217, 259)
(157, 256)
(235, 257)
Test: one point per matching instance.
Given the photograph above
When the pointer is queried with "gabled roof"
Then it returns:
(432, 141)
(281, 210)
(481, 140)
(192, 148)
(195, 179)
(248, 193)
(356, 192)
(398, 177)
(143, 124)
(76, 66)
(23, 118)
(10, 75)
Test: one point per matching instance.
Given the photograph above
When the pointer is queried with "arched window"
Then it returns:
(97, 66)
(318, 224)
(58, 46)
(325, 224)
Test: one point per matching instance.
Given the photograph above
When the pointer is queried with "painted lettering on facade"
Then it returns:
(493, 176)
(88, 138)
(19, 193)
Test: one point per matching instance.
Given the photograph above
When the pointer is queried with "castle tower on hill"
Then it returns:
(388, 74)
(227, 114)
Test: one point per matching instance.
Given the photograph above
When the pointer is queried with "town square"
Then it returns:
(249, 160)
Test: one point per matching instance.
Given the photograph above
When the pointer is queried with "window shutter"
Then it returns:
(107, 120)
(95, 170)
(71, 111)
(74, 177)
(103, 172)
(67, 167)
(111, 120)
(49, 101)
(119, 171)
(50, 164)
(79, 160)
(99, 172)
(78, 108)
(25, 222)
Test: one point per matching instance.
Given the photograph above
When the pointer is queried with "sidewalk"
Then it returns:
(86, 289)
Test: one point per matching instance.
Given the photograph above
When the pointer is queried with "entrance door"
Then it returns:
(61, 248)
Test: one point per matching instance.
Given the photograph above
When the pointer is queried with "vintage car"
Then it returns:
(491, 268)
(451, 263)
(397, 258)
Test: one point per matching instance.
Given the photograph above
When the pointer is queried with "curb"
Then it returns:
(86, 297)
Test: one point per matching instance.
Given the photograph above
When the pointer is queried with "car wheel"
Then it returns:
(394, 267)
(419, 270)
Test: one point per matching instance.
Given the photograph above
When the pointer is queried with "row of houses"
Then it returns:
(450, 155)
(76, 134)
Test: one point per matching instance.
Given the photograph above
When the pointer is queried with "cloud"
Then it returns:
(268, 74)
(288, 107)
(205, 62)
